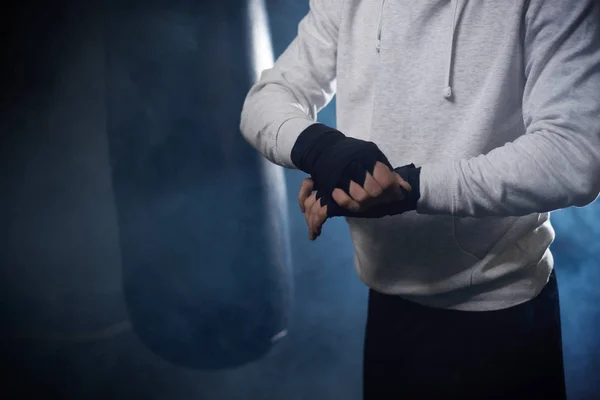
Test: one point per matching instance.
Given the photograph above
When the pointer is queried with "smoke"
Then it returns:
(576, 250)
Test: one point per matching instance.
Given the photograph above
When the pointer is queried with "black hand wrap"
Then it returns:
(333, 160)
(412, 175)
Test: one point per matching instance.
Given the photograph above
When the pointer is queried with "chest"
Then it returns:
(417, 46)
(397, 57)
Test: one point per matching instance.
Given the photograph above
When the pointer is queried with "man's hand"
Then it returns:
(383, 187)
(334, 160)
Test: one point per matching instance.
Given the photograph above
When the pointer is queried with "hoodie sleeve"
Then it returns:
(288, 96)
(556, 164)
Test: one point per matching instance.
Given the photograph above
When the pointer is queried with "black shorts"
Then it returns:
(418, 352)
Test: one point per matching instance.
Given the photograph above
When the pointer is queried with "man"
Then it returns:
(462, 124)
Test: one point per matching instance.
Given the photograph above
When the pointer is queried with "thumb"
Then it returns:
(405, 185)
(306, 189)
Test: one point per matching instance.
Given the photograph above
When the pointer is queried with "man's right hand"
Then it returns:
(335, 161)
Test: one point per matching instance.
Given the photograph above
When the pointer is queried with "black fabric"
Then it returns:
(417, 352)
(412, 175)
(333, 159)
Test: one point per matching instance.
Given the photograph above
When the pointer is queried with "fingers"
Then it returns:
(405, 185)
(383, 176)
(358, 193)
(315, 216)
(308, 204)
(359, 196)
(382, 181)
(306, 189)
(316, 219)
(372, 187)
(347, 202)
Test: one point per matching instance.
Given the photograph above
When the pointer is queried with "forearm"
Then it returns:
(272, 120)
(556, 164)
(538, 172)
(288, 96)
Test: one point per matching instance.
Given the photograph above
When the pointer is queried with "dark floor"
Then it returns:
(116, 122)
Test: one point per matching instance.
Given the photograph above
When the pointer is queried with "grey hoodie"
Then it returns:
(497, 101)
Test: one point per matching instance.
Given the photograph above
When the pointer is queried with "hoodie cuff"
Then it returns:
(287, 136)
(437, 189)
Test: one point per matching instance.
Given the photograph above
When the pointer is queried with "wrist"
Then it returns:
(412, 175)
(286, 138)
(311, 143)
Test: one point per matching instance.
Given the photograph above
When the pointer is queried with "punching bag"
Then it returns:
(61, 297)
(202, 216)
(61, 276)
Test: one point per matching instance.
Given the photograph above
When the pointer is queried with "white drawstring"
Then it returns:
(379, 24)
(448, 88)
